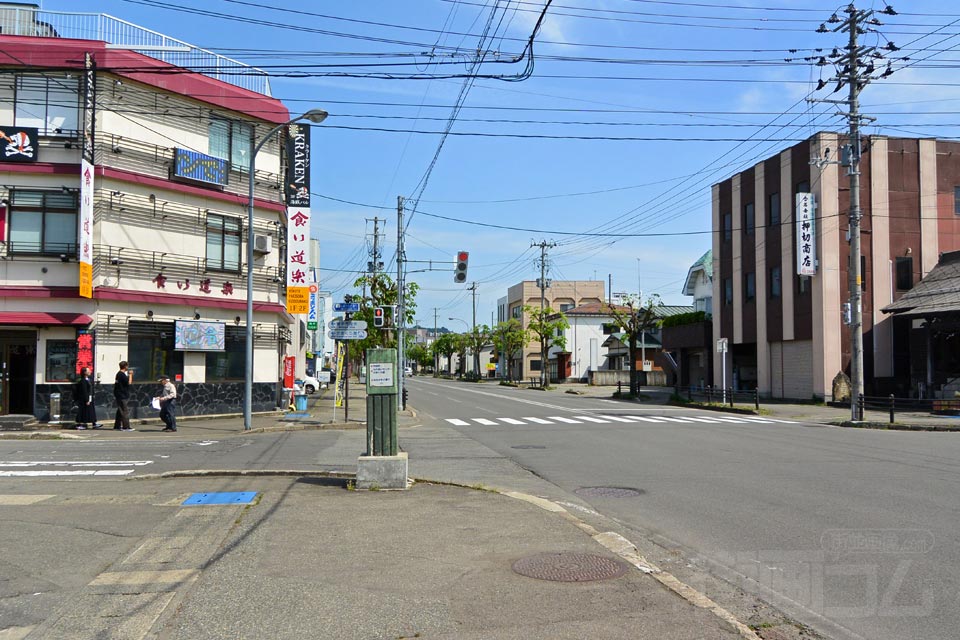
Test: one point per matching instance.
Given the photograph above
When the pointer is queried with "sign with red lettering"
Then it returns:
(84, 350)
(289, 364)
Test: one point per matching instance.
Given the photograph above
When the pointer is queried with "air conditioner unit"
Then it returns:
(262, 244)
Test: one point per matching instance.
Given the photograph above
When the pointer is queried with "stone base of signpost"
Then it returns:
(382, 472)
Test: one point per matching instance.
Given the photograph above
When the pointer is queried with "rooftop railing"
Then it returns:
(120, 34)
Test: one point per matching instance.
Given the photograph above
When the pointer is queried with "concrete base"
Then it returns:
(382, 472)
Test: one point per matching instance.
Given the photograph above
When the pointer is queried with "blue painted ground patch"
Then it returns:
(226, 497)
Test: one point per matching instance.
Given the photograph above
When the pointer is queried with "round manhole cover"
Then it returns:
(608, 492)
(528, 446)
(569, 567)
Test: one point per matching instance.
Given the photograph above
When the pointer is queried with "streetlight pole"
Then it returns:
(315, 116)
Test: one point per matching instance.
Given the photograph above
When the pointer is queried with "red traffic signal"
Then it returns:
(378, 316)
(460, 272)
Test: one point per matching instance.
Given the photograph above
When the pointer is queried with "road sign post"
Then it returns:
(722, 349)
(383, 466)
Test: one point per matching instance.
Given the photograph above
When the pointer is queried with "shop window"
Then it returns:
(749, 219)
(904, 273)
(727, 227)
(774, 209)
(61, 357)
(51, 103)
(43, 222)
(150, 346)
(749, 286)
(231, 140)
(223, 242)
(228, 365)
(775, 282)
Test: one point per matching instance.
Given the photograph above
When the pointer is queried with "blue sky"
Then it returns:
(615, 84)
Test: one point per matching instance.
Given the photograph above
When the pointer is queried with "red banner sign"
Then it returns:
(289, 364)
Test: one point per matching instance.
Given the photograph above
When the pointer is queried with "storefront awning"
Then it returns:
(41, 318)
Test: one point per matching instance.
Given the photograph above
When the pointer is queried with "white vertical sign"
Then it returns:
(806, 235)
(85, 229)
(298, 246)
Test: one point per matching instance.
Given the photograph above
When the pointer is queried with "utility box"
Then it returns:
(382, 387)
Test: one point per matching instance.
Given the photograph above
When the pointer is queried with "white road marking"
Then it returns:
(42, 474)
(206, 443)
(699, 419)
(486, 422)
(593, 419)
(458, 422)
(538, 420)
(648, 419)
(74, 463)
(511, 421)
(672, 419)
(562, 419)
(616, 418)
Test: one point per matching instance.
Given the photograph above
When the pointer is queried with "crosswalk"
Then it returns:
(55, 468)
(578, 418)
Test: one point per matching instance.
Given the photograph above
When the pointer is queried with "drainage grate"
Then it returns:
(569, 567)
(609, 492)
(232, 497)
(528, 446)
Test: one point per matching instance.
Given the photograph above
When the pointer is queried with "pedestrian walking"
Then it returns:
(121, 393)
(83, 396)
(168, 403)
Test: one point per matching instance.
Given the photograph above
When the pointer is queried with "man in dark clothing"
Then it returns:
(83, 395)
(168, 403)
(121, 393)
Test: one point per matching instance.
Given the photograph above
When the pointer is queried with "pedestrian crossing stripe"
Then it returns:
(607, 419)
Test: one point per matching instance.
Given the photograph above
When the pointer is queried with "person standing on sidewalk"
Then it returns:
(121, 393)
(83, 395)
(168, 403)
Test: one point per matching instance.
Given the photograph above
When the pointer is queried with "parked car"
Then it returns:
(408, 371)
(309, 384)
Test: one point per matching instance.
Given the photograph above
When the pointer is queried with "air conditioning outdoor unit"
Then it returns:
(262, 244)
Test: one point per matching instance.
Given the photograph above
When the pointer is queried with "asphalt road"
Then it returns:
(853, 532)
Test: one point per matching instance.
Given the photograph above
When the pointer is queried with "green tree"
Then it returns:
(381, 292)
(547, 326)
(419, 354)
(508, 338)
(476, 340)
(636, 319)
(462, 344)
(446, 345)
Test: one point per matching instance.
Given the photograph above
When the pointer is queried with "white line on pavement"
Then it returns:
(486, 422)
(648, 419)
(538, 420)
(616, 418)
(562, 419)
(36, 474)
(458, 422)
(74, 463)
(593, 419)
(511, 421)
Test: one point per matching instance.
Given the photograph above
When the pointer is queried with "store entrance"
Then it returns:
(18, 366)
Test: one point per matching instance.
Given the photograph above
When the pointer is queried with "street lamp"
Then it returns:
(315, 116)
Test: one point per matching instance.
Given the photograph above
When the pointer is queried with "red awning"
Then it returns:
(43, 318)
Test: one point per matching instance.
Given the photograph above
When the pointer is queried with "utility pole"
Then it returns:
(476, 354)
(855, 74)
(399, 319)
(433, 346)
(544, 245)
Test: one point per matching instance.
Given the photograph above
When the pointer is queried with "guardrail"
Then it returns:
(892, 404)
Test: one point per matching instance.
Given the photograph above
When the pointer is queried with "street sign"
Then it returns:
(348, 325)
(347, 334)
(346, 307)
(648, 365)
(721, 345)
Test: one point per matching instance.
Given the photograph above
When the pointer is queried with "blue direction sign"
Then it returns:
(346, 307)
(347, 334)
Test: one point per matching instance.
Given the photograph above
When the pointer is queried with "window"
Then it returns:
(775, 282)
(774, 210)
(728, 290)
(49, 103)
(61, 360)
(803, 187)
(229, 364)
(803, 284)
(610, 328)
(749, 219)
(727, 226)
(904, 274)
(535, 365)
(231, 141)
(151, 352)
(223, 242)
(43, 222)
(956, 200)
(516, 312)
(749, 286)
(566, 306)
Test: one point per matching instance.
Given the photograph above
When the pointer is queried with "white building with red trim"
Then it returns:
(169, 149)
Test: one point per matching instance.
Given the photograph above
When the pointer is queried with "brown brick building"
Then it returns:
(786, 334)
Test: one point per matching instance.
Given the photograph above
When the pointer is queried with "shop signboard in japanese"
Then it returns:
(298, 243)
(85, 235)
(806, 235)
(297, 183)
(84, 350)
(199, 335)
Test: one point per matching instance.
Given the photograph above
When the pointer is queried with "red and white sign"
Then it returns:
(289, 365)
(85, 233)
(298, 260)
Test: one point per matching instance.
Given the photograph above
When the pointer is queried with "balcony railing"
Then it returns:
(29, 21)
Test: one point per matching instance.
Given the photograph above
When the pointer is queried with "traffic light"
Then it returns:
(460, 271)
(378, 316)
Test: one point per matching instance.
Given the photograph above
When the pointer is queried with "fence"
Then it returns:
(720, 395)
(892, 404)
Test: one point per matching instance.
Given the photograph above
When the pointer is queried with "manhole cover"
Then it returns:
(569, 567)
(528, 446)
(608, 492)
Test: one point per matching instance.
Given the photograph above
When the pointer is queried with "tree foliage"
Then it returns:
(381, 291)
(446, 345)
(635, 318)
(508, 338)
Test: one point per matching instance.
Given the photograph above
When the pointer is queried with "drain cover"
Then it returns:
(608, 492)
(569, 567)
(528, 446)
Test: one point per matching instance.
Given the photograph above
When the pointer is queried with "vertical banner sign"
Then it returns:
(84, 350)
(85, 231)
(289, 365)
(806, 235)
(297, 188)
(312, 311)
(341, 370)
